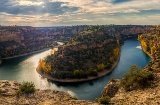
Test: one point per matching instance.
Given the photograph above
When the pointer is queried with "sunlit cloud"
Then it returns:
(28, 2)
(72, 12)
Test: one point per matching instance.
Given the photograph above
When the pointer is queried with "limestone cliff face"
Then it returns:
(111, 88)
(41, 97)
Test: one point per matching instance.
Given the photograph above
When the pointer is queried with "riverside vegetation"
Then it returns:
(18, 41)
(86, 55)
(90, 54)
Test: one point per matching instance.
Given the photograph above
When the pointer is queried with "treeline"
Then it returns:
(84, 55)
(16, 40)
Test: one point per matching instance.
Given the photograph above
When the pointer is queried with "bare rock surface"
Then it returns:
(41, 97)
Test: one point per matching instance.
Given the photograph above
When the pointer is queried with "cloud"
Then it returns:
(130, 11)
(70, 12)
(35, 8)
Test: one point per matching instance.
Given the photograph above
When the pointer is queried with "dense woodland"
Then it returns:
(17, 40)
(89, 52)
(85, 55)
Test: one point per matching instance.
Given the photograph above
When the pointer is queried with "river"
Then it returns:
(24, 69)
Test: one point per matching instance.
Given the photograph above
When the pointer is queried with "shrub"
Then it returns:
(104, 100)
(26, 88)
(80, 74)
(136, 79)
(100, 67)
(92, 72)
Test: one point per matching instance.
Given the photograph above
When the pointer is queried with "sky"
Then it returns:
(79, 12)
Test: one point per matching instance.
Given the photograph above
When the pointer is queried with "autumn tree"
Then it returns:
(153, 49)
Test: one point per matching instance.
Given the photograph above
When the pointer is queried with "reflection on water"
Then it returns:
(24, 69)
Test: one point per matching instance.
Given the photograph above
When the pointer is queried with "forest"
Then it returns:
(85, 55)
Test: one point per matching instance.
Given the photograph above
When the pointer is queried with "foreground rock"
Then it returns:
(41, 97)
(148, 96)
(111, 88)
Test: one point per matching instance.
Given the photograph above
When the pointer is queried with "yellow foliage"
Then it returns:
(47, 68)
(111, 59)
(54, 50)
(153, 49)
(144, 45)
(100, 67)
(44, 66)
(116, 52)
(139, 37)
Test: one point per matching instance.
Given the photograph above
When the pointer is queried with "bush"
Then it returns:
(92, 72)
(100, 67)
(26, 88)
(104, 100)
(80, 74)
(137, 79)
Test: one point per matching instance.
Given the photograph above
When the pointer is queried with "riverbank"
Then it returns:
(100, 74)
(21, 55)
(147, 96)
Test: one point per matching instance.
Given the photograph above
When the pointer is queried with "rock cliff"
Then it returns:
(41, 97)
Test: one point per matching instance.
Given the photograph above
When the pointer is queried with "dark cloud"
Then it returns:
(121, 1)
(53, 8)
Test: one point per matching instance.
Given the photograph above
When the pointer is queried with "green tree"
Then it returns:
(104, 100)
(100, 67)
(137, 79)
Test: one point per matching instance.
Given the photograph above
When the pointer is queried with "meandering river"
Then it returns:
(24, 69)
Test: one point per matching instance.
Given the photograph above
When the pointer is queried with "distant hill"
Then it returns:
(17, 40)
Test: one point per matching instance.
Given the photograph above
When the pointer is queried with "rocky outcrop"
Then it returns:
(8, 88)
(111, 88)
(148, 96)
(40, 97)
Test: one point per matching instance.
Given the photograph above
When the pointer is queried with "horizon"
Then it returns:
(49, 13)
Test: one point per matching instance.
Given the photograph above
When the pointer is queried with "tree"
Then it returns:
(43, 66)
(104, 100)
(79, 73)
(153, 49)
(100, 67)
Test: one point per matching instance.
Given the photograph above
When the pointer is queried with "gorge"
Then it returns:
(23, 69)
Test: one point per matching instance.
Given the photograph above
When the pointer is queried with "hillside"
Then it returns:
(88, 55)
(84, 56)
(18, 40)
(150, 42)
